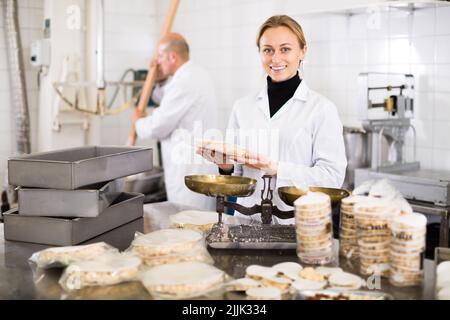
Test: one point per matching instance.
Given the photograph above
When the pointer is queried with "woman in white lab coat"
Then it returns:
(289, 131)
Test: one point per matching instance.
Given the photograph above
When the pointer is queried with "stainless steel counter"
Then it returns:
(19, 281)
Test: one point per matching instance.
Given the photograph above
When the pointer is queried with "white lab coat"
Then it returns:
(306, 140)
(158, 91)
(187, 109)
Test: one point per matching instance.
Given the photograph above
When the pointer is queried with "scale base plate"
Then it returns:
(254, 236)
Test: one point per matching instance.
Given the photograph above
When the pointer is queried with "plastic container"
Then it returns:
(314, 230)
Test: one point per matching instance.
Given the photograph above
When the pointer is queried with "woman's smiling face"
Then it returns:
(280, 53)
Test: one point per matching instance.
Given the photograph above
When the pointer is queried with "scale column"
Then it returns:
(220, 206)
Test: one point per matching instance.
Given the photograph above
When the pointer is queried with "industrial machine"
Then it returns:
(386, 107)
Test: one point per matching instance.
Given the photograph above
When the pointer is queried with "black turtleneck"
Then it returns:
(280, 92)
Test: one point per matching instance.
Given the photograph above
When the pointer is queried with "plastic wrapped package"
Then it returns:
(63, 256)
(364, 188)
(402, 205)
(383, 189)
(196, 220)
(198, 253)
(182, 280)
(108, 269)
(166, 242)
(227, 149)
(171, 246)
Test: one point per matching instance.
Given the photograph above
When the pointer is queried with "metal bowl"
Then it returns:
(290, 194)
(213, 186)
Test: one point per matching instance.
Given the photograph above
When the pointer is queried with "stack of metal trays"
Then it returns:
(150, 183)
(84, 202)
(69, 196)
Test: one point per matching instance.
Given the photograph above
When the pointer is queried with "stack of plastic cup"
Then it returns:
(407, 249)
(314, 228)
(373, 232)
(348, 244)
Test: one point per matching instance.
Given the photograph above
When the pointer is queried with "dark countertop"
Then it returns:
(18, 280)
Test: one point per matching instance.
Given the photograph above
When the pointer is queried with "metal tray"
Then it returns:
(88, 201)
(147, 182)
(78, 167)
(365, 295)
(71, 231)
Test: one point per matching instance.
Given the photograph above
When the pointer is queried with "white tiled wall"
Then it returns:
(221, 34)
(30, 20)
(416, 42)
(130, 37)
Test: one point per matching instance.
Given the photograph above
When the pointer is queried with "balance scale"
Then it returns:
(263, 235)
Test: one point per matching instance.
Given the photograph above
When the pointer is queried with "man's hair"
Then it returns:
(180, 46)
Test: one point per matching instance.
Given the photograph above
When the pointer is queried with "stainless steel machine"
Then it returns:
(386, 107)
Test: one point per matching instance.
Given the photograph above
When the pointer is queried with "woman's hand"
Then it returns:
(216, 157)
(257, 161)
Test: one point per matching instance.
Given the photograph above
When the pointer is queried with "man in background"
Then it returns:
(188, 103)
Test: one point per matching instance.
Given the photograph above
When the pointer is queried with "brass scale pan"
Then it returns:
(220, 185)
(290, 194)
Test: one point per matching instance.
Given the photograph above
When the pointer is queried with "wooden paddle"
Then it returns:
(151, 75)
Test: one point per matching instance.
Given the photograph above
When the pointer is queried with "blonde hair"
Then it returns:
(282, 21)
